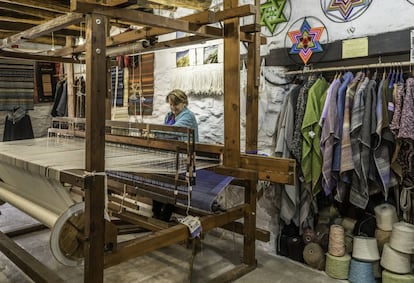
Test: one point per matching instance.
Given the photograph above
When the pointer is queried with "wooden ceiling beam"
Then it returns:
(44, 14)
(200, 5)
(135, 48)
(32, 57)
(45, 28)
(106, 2)
(58, 40)
(48, 5)
(147, 19)
(199, 18)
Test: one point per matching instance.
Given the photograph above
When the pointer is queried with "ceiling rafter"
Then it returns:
(48, 5)
(42, 29)
(40, 13)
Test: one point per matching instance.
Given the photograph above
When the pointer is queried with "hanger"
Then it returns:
(401, 79)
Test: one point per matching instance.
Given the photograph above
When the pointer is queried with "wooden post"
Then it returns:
(249, 250)
(253, 81)
(68, 67)
(231, 156)
(96, 89)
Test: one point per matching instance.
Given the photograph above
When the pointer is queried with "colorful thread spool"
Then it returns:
(386, 216)
(365, 249)
(361, 272)
(348, 224)
(314, 256)
(402, 237)
(382, 238)
(395, 261)
(337, 266)
(389, 277)
(309, 236)
(336, 245)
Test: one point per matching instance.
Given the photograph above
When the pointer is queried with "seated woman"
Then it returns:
(180, 116)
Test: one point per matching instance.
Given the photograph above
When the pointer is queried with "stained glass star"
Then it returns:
(306, 41)
(272, 14)
(345, 7)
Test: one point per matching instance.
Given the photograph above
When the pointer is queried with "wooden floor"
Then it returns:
(219, 251)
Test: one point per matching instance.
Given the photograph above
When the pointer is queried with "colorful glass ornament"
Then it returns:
(306, 41)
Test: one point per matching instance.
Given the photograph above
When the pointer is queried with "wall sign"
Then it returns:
(353, 48)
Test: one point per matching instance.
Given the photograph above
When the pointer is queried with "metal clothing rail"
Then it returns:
(355, 67)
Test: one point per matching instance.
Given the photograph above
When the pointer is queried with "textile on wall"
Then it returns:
(16, 85)
(305, 40)
(344, 10)
(200, 80)
(274, 16)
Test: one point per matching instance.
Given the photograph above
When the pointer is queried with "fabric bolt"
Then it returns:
(311, 152)
(359, 190)
(329, 136)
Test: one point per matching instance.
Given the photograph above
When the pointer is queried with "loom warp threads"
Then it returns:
(314, 256)
(336, 245)
(337, 266)
(361, 272)
(386, 216)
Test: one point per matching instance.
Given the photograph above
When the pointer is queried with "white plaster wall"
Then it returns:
(381, 16)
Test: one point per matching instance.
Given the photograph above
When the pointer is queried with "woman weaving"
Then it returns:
(180, 116)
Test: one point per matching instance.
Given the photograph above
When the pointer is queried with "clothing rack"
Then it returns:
(354, 67)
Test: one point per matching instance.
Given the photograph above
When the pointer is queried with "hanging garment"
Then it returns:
(384, 140)
(18, 126)
(329, 136)
(296, 147)
(347, 163)
(60, 88)
(359, 190)
(311, 131)
(289, 207)
(336, 158)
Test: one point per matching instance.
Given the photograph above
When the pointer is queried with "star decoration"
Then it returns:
(272, 14)
(345, 7)
(306, 41)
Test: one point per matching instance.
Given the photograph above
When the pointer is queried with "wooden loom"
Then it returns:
(247, 169)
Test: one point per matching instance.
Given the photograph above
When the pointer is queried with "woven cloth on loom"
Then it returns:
(204, 193)
(16, 86)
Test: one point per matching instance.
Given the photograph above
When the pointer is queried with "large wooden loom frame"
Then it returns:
(247, 168)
